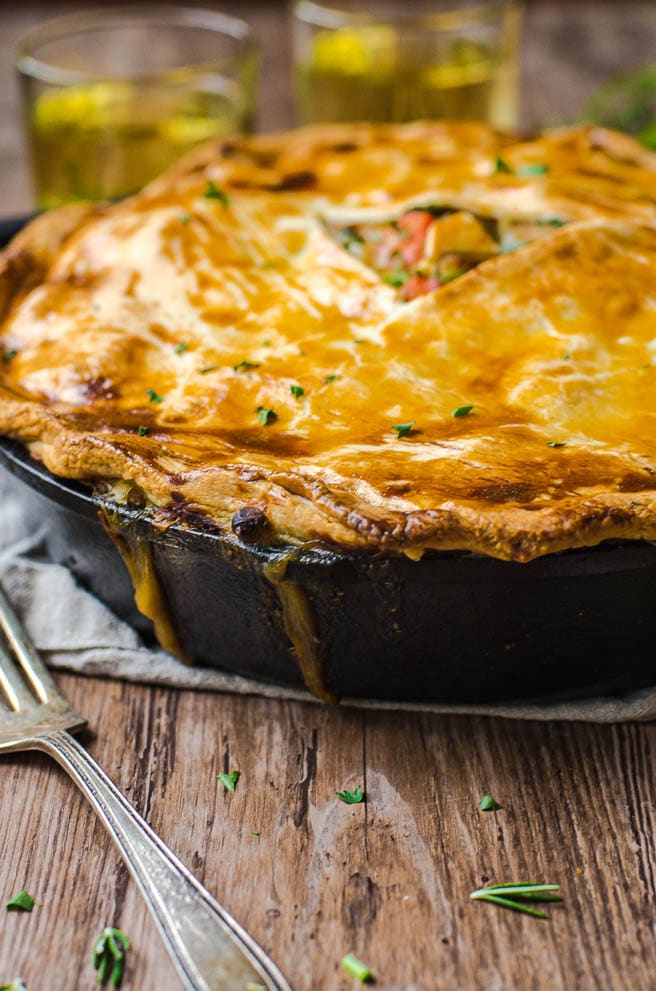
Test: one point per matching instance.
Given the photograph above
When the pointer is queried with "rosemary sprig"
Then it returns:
(521, 892)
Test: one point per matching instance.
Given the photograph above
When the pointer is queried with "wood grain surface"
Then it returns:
(388, 879)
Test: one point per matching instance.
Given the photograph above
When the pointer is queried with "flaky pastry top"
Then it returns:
(428, 336)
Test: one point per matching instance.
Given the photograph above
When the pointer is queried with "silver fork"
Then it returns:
(211, 951)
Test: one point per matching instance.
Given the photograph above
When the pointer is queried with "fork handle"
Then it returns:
(209, 949)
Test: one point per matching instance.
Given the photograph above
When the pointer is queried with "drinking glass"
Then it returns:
(113, 96)
(394, 61)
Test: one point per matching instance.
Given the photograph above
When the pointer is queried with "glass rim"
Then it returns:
(104, 18)
(326, 15)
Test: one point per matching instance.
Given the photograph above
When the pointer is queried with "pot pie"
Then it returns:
(433, 336)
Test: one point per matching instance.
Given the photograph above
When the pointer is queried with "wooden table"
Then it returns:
(388, 879)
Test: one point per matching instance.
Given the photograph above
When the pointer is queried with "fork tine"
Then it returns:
(33, 667)
(14, 688)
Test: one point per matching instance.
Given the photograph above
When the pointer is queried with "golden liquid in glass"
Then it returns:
(368, 73)
(104, 140)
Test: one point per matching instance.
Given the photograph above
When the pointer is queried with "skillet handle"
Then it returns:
(211, 951)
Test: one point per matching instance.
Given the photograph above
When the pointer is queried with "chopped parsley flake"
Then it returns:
(142, 431)
(435, 209)
(536, 168)
(8, 356)
(254, 832)
(403, 429)
(179, 348)
(22, 902)
(462, 411)
(396, 279)
(567, 356)
(16, 985)
(297, 391)
(348, 237)
(501, 167)
(266, 343)
(330, 378)
(553, 222)
(208, 368)
(109, 956)
(212, 192)
(487, 804)
(556, 443)
(246, 366)
(184, 218)
(229, 781)
(351, 797)
(153, 397)
(356, 968)
(266, 415)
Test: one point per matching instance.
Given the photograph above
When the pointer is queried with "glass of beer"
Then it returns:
(389, 60)
(111, 97)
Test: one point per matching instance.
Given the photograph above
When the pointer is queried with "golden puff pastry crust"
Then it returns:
(427, 336)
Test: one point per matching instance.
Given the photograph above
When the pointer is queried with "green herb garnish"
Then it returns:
(142, 431)
(403, 429)
(487, 804)
(567, 356)
(153, 397)
(208, 368)
(246, 366)
(348, 237)
(229, 781)
(396, 279)
(552, 222)
(266, 343)
(109, 956)
(179, 348)
(330, 378)
(297, 391)
(22, 902)
(435, 209)
(556, 443)
(537, 168)
(351, 797)
(16, 985)
(266, 415)
(8, 356)
(462, 411)
(501, 167)
(212, 192)
(356, 968)
(254, 832)
(184, 218)
(521, 892)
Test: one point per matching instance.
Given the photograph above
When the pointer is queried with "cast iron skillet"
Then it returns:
(449, 628)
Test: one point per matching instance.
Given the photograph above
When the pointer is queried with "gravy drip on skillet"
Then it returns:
(428, 336)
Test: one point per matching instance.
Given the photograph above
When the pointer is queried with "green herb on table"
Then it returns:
(487, 804)
(16, 985)
(501, 167)
(297, 391)
(109, 956)
(356, 968)
(212, 192)
(556, 443)
(351, 797)
(266, 415)
(516, 894)
(254, 832)
(153, 397)
(179, 348)
(229, 781)
(8, 356)
(22, 902)
(462, 411)
(403, 429)
(330, 378)
(142, 431)
(537, 168)
(246, 366)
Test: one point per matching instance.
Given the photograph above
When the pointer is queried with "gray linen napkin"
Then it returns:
(75, 632)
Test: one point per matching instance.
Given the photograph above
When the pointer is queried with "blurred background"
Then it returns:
(568, 49)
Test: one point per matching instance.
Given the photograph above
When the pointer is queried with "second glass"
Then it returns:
(112, 97)
(395, 61)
